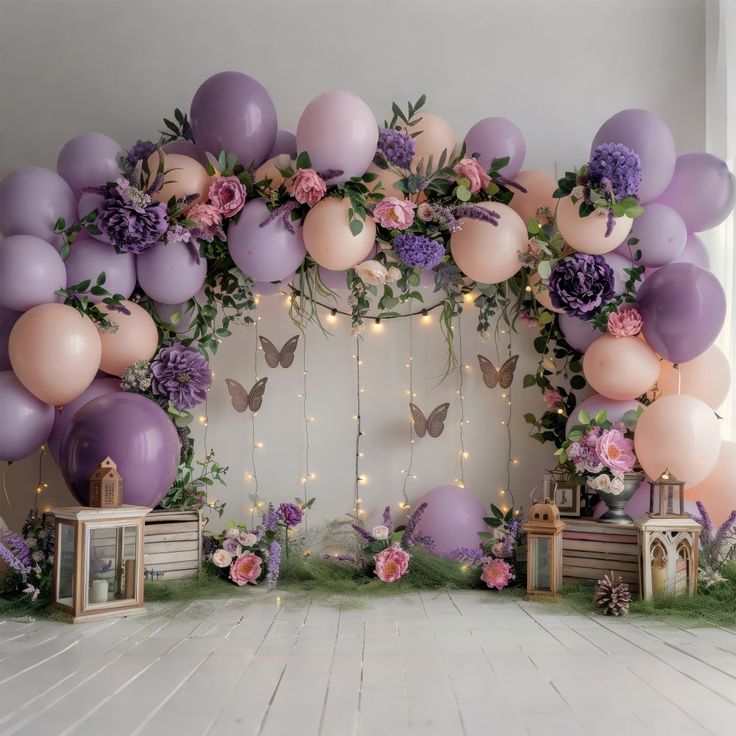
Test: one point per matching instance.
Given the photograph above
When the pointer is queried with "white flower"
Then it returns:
(372, 272)
(232, 533)
(617, 485)
(600, 482)
(380, 532)
(222, 558)
(394, 274)
(247, 539)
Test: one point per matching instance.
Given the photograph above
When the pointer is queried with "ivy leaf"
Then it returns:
(530, 418)
(303, 161)
(544, 269)
(600, 417)
(529, 380)
(577, 382)
(356, 227)
(584, 417)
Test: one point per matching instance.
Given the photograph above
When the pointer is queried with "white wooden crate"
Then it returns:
(172, 545)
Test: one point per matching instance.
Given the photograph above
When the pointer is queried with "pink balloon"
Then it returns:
(588, 234)
(183, 177)
(694, 252)
(539, 186)
(171, 272)
(8, 318)
(89, 160)
(620, 368)
(136, 338)
(707, 377)
(340, 133)
(718, 492)
(615, 410)
(31, 272)
(497, 137)
(433, 135)
(453, 518)
(89, 258)
(541, 293)
(662, 235)
(679, 434)
(578, 333)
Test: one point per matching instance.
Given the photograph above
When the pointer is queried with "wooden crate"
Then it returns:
(172, 545)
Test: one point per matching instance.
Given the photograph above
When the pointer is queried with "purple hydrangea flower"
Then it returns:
(616, 169)
(139, 151)
(418, 251)
(209, 545)
(290, 513)
(397, 147)
(181, 375)
(270, 519)
(581, 284)
(274, 564)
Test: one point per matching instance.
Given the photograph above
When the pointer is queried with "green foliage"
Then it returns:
(78, 296)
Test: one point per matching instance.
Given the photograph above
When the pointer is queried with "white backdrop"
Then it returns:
(557, 69)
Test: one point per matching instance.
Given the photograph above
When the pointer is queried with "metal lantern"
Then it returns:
(98, 563)
(544, 550)
(666, 496)
(106, 486)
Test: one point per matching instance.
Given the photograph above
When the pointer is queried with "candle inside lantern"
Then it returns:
(98, 591)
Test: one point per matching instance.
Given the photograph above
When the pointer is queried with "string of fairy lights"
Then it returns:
(308, 474)
(407, 472)
(359, 478)
(461, 366)
(505, 491)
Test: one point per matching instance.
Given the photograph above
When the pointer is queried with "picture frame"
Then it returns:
(567, 498)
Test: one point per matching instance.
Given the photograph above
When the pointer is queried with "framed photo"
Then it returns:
(567, 498)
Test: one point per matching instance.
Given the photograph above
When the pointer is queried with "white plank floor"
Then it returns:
(432, 663)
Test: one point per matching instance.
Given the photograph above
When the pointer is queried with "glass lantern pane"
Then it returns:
(111, 569)
(541, 551)
(65, 549)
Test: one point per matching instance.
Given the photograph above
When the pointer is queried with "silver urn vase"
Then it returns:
(617, 501)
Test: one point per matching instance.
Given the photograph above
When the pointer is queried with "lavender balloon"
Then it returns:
(170, 272)
(662, 235)
(702, 190)
(32, 199)
(186, 313)
(186, 148)
(266, 288)
(89, 160)
(578, 333)
(8, 317)
(31, 271)
(89, 258)
(233, 112)
(285, 143)
(497, 138)
(89, 202)
(136, 433)
(649, 137)
(694, 252)
(683, 307)
(335, 280)
(25, 422)
(268, 253)
(614, 409)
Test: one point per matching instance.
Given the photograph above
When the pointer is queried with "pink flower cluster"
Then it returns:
(625, 322)
(584, 454)
(552, 398)
(392, 563)
(601, 449)
(209, 220)
(246, 569)
(496, 573)
(227, 195)
(394, 213)
(470, 169)
(306, 186)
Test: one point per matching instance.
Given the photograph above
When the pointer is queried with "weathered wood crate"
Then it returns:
(172, 545)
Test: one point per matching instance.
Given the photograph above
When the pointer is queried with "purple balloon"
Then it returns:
(186, 148)
(87, 203)
(453, 518)
(694, 252)
(32, 199)
(266, 288)
(170, 273)
(683, 307)
(702, 190)
(578, 333)
(63, 418)
(233, 112)
(89, 160)
(31, 271)
(186, 314)
(25, 422)
(285, 143)
(8, 318)
(497, 138)
(648, 136)
(335, 280)
(614, 409)
(136, 433)
(662, 235)
(89, 258)
(269, 253)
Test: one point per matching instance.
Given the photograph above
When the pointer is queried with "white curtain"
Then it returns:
(721, 141)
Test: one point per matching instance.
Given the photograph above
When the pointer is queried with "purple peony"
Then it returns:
(418, 251)
(397, 147)
(181, 375)
(581, 284)
(615, 169)
(139, 151)
(290, 514)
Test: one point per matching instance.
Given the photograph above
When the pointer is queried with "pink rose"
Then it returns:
(394, 213)
(496, 573)
(425, 212)
(392, 563)
(306, 186)
(497, 549)
(227, 195)
(470, 169)
(626, 322)
(615, 451)
(222, 558)
(209, 220)
(246, 569)
(552, 398)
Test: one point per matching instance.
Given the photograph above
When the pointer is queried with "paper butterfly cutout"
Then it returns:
(274, 356)
(243, 399)
(503, 377)
(434, 425)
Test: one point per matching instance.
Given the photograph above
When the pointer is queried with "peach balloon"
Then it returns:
(387, 178)
(718, 491)
(182, 176)
(707, 377)
(679, 434)
(490, 253)
(435, 136)
(328, 239)
(270, 170)
(136, 338)
(620, 368)
(588, 234)
(539, 187)
(55, 352)
(541, 293)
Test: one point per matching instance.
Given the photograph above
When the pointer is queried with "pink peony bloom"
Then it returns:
(496, 573)
(394, 213)
(306, 186)
(626, 322)
(227, 195)
(470, 169)
(209, 220)
(552, 398)
(391, 563)
(425, 212)
(527, 318)
(615, 451)
(246, 569)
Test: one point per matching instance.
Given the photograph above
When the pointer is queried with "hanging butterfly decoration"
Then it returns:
(503, 376)
(433, 425)
(274, 356)
(242, 399)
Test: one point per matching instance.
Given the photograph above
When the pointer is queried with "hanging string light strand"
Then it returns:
(408, 471)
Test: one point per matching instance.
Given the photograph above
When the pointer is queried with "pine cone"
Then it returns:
(612, 596)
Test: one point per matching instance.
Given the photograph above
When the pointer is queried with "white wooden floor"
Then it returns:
(435, 663)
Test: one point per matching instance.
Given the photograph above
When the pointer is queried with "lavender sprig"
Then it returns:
(476, 212)
(284, 212)
(509, 183)
(704, 520)
(728, 525)
(366, 536)
(410, 532)
(388, 522)
(470, 555)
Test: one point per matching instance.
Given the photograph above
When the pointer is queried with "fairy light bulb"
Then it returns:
(332, 316)
(426, 317)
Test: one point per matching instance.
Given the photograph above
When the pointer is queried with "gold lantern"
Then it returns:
(98, 561)
(544, 550)
(666, 496)
(106, 486)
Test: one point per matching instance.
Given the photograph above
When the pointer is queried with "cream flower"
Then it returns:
(380, 532)
(372, 272)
